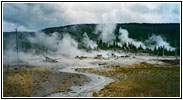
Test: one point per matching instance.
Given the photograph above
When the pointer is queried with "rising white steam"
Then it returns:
(124, 38)
(68, 47)
(158, 41)
(107, 35)
(107, 32)
(151, 42)
(45, 40)
(88, 42)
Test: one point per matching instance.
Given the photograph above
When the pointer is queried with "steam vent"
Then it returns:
(91, 50)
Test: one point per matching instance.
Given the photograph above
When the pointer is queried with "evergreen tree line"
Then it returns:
(129, 47)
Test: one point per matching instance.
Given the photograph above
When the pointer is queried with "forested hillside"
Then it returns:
(171, 32)
(139, 32)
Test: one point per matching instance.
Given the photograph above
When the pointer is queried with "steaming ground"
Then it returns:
(97, 82)
(86, 60)
(65, 51)
(70, 58)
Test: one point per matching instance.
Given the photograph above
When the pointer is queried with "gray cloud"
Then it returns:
(36, 16)
(33, 16)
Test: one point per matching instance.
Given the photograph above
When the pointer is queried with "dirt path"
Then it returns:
(97, 82)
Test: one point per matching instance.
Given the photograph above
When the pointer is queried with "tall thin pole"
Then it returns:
(163, 51)
(16, 40)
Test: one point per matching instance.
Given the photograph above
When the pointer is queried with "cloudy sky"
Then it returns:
(36, 16)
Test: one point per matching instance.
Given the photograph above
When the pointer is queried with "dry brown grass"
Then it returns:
(139, 80)
(38, 81)
(18, 82)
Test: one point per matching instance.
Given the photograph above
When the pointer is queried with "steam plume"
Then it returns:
(124, 38)
(88, 42)
(107, 32)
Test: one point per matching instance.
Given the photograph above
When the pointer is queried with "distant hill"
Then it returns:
(140, 32)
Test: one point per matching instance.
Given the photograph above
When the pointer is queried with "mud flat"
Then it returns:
(38, 81)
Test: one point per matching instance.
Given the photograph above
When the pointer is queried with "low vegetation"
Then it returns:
(37, 81)
(139, 80)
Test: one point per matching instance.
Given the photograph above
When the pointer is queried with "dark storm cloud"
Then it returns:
(35, 16)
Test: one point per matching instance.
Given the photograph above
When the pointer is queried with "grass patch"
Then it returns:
(28, 82)
(38, 81)
(139, 80)
(18, 82)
